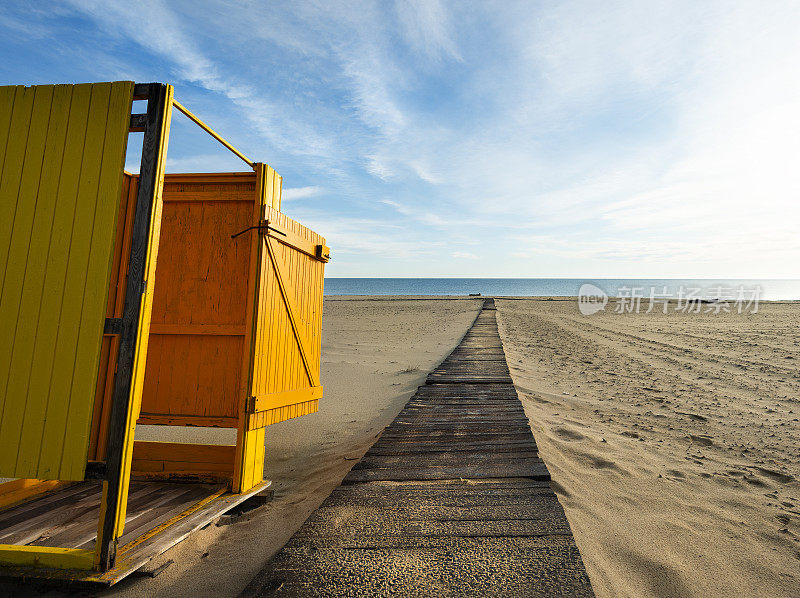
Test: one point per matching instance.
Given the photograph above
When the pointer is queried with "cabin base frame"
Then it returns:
(138, 552)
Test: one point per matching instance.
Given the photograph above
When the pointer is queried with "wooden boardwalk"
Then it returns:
(451, 500)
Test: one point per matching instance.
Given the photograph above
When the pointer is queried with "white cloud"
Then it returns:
(464, 255)
(369, 238)
(292, 193)
(426, 26)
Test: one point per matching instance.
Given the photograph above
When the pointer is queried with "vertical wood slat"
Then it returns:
(61, 177)
(7, 96)
(36, 301)
(19, 284)
(60, 287)
(19, 100)
(77, 285)
(96, 290)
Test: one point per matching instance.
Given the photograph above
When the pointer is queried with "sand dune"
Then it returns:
(673, 442)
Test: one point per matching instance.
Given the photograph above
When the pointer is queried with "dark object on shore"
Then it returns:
(474, 294)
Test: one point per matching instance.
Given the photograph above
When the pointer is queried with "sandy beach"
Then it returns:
(672, 440)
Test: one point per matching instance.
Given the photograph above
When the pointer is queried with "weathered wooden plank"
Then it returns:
(423, 511)
(449, 379)
(472, 370)
(463, 410)
(69, 518)
(525, 456)
(537, 471)
(478, 439)
(529, 566)
(45, 506)
(44, 523)
(182, 497)
(408, 448)
(184, 519)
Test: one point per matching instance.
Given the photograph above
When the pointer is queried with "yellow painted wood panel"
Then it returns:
(187, 459)
(46, 556)
(245, 474)
(289, 314)
(7, 97)
(60, 189)
(286, 314)
(261, 419)
(286, 397)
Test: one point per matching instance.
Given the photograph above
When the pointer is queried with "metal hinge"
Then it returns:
(250, 405)
(322, 253)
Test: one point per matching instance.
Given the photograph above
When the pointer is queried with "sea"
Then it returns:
(766, 289)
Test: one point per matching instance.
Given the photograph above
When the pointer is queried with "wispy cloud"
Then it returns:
(426, 26)
(556, 139)
(154, 26)
(292, 193)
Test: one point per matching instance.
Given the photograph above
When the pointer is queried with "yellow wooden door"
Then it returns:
(287, 331)
(62, 151)
(288, 324)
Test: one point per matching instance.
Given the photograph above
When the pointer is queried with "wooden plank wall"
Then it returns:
(62, 150)
(164, 460)
(197, 328)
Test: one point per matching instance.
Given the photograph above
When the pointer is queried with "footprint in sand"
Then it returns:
(694, 416)
(601, 463)
(568, 434)
(754, 481)
(701, 440)
(783, 478)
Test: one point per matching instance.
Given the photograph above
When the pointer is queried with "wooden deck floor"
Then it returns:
(451, 500)
(67, 518)
(159, 516)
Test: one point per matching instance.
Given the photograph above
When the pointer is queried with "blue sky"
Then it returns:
(500, 139)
